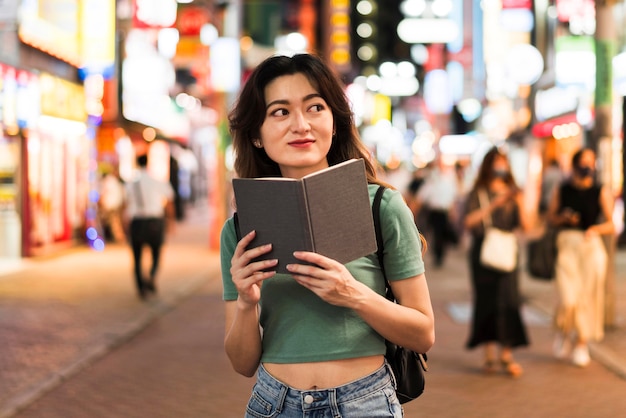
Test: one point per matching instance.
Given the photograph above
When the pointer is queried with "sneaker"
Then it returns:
(580, 355)
(562, 346)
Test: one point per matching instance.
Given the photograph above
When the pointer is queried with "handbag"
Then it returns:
(499, 248)
(408, 366)
(541, 255)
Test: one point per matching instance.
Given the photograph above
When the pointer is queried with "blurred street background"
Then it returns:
(88, 85)
(78, 342)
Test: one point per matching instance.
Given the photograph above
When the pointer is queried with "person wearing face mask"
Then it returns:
(581, 209)
(496, 320)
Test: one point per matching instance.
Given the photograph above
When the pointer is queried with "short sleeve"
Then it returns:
(228, 242)
(402, 245)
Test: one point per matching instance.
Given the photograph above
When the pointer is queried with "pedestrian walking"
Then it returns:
(496, 320)
(582, 210)
(110, 205)
(438, 196)
(149, 206)
(410, 196)
(316, 337)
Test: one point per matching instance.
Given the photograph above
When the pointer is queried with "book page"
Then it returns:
(340, 212)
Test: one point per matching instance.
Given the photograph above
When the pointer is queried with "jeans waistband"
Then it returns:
(347, 392)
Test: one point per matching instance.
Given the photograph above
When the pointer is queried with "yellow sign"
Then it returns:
(61, 98)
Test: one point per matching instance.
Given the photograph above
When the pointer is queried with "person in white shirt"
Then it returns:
(149, 203)
(438, 194)
(110, 205)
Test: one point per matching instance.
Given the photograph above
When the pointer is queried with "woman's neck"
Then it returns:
(582, 182)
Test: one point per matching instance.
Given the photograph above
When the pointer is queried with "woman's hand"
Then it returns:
(327, 278)
(248, 275)
(503, 198)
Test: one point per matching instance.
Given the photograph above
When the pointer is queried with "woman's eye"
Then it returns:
(279, 112)
(317, 107)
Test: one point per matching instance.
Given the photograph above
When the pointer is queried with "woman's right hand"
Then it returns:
(247, 274)
(502, 198)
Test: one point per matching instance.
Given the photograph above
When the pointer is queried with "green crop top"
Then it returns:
(300, 327)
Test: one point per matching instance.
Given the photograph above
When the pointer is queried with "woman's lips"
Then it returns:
(301, 143)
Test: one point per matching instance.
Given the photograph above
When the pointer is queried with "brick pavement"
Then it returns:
(81, 344)
(60, 314)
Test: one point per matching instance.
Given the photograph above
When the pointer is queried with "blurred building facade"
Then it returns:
(85, 86)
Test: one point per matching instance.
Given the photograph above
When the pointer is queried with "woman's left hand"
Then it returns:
(327, 278)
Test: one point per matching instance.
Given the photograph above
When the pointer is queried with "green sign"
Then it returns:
(605, 51)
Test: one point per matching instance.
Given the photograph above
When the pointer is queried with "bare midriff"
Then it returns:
(324, 374)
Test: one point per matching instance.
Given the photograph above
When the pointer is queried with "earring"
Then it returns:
(257, 143)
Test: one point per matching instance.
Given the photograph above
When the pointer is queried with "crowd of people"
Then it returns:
(573, 203)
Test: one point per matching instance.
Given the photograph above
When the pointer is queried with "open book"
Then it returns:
(327, 212)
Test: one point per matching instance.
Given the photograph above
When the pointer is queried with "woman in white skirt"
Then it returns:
(582, 210)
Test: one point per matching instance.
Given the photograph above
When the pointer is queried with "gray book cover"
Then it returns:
(327, 212)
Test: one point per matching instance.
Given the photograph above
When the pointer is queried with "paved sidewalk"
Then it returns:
(60, 314)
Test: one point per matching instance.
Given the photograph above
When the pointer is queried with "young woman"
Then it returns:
(496, 316)
(315, 337)
(582, 210)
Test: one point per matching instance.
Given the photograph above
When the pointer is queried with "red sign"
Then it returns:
(517, 4)
(191, 20)
(544, 129)
(568, 9)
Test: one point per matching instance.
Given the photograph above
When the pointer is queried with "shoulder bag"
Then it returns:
(499, 248)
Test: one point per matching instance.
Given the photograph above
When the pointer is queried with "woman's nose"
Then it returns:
(300, 122)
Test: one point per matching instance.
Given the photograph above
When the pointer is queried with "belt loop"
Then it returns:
(391, 374)
(281, 397)
(332, 400)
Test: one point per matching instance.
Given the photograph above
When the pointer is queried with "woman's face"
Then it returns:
(500, 166)
(586, 165)
(297, 131)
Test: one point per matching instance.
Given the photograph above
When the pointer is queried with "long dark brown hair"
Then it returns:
(248, 115)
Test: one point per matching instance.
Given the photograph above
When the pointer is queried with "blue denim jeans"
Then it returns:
(370, 396)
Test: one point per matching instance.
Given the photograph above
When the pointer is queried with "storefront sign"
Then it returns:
(340, 34)
(545, 129)
(554, 102)
(80, 33)
(605, 51)
(98, 37)
(61, 98)
(575, 62)
(154, 13)
(53, 27)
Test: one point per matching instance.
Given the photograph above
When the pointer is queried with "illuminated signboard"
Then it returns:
(51, 26)
(81, 33)
(154, 13)
(98, 36)
(568, 10)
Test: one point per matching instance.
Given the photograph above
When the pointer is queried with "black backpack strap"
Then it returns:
(379, 233)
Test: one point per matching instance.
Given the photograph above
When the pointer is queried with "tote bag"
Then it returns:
(499, 248)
